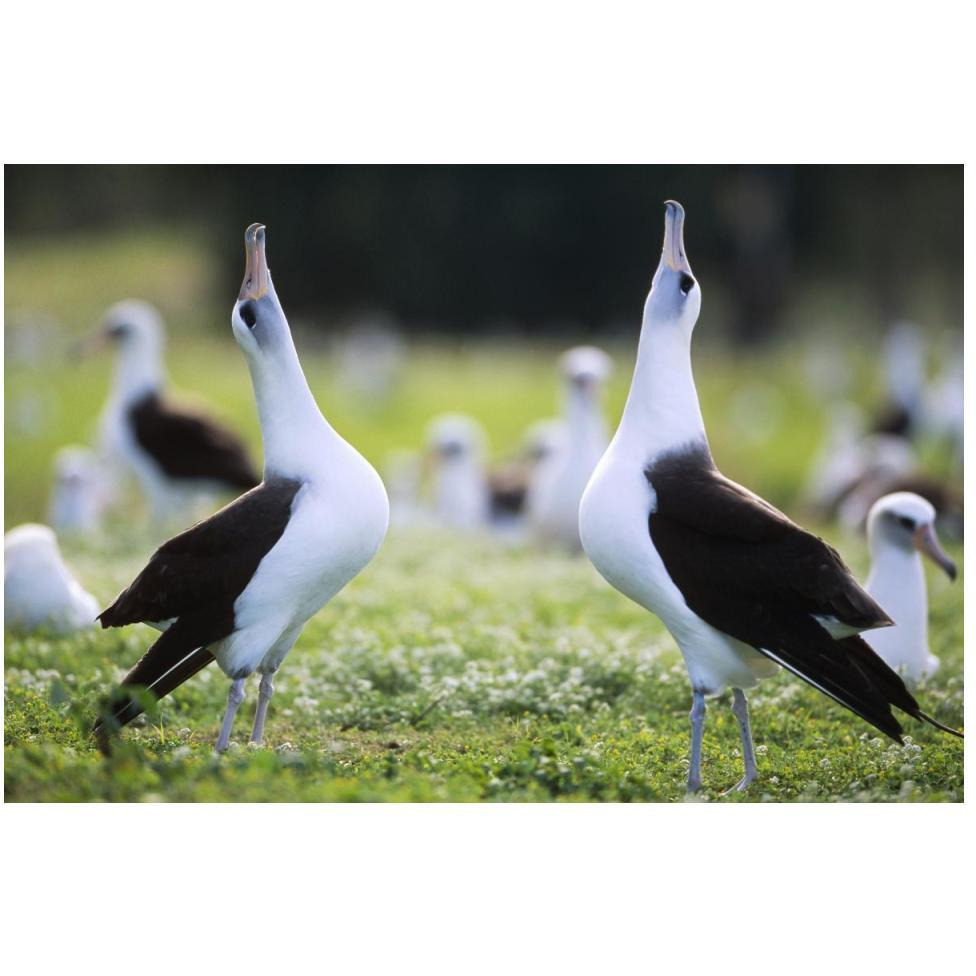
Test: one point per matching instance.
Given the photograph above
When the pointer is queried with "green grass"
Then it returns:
(452, 668)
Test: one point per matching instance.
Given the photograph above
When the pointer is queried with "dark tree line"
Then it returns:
(460, 247)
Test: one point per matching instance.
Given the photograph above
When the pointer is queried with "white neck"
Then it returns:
(461, 494)
(138, 371)
(897, 582)
(584, 422)
(297, 439)
(662, 410)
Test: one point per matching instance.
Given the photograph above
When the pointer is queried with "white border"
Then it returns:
(486, 889)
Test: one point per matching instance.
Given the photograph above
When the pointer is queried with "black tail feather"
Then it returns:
(175, 657)
(850, 672)
(842, 670)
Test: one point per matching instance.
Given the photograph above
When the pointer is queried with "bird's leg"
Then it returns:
(234, 699)
(265, 691)
(740, 709)
(697, 734)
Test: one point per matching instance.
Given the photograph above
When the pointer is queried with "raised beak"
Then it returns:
(674, 237)
(926, 542)
(256, 279)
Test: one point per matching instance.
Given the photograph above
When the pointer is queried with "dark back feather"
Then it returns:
(190, 445)
(753, 574)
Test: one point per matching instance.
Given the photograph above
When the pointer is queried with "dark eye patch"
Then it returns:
(118, 331)
(906, 523)
(687, 283)
(248, 314)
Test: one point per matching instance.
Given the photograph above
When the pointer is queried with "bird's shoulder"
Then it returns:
(689, 489)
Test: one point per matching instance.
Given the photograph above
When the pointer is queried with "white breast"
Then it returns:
(337, 524)
(615, 534)
(897, 582)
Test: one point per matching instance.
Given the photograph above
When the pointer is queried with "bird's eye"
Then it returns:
(687, 283)
(906, 523)
(118, 331)
(248, 315)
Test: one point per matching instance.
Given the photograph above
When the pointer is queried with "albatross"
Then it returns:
(239, 586)
(552, 503)
(741, 588)
(174, 451)
(78, 497)
(39, 590)
(455, 451)
(901, 529)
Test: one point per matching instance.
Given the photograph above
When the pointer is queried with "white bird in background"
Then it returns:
(403, 477)
(177, 454)
(904, 376)
(881, 461)
(839, 463)
(945, 403)
(901, 528)
(79, 494)
(456, 453)
(558, 482)
(371, 357)
(39, 591)
(542, 440)
(509, 481)
(239, 586)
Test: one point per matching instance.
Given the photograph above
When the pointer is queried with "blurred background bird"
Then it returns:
(79, 493)
(39, 590)
(901, 529)
(176, 452)
(456, 447)
(559, 478)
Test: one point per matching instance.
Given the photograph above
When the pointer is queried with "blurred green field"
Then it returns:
(452, 668)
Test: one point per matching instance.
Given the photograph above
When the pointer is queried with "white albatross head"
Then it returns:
(454, 438)
(542, 440)
(135, 329)
(78, 493)
(674, 300)
(906, 522)
(585, 370)
(258, 320)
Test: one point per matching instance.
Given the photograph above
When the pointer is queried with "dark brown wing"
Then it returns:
(764, 560)
(194, 580)
(190, 445)
(210, 564)
(750, 572)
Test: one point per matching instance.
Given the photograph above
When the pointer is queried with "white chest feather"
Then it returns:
(897, 582)
(615, 534)
(336, 526)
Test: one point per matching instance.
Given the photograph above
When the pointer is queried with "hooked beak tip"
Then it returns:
(674, 236)
(927, 543)
(255, 264)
